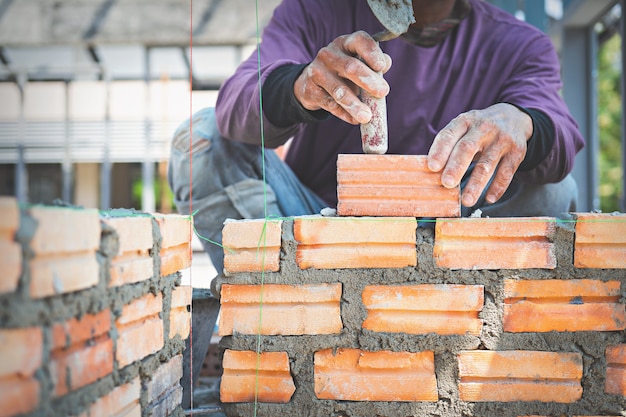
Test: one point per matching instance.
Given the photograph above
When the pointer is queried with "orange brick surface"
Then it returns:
(419, 309)
(355, 242)
(65, 244)
(550, 305)
(123, 401)
(600, 240)
(520, 376)
(471, 243)
(615, 382)
(140, 329)
(82, 352)
(283, 309)
(356, 375)
(247, 375)
(133, 262)
(176, 242)
(393, 185)
(251, 245)
(163, 391)
(180, 317)
(21, 353)
(10, 251)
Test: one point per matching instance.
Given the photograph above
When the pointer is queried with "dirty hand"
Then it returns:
(495, 138)
(332, 81)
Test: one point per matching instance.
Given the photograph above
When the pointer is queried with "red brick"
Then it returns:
(549, 305)
(18, 395)
(10, 251)
(251, 245)
(284, 309)
(133, 262)
(355, 242)
(471, 243)
(247, 375)
(176, 242)
(82, 352)
(419, 309)
(140, 330)
(393, 185)
(615, 382)
(600, 240)
(21, 353)
(508, 376)
(122, 401)
(65, 244)
(356, 375)
(163, 391)
(75, 331)
(180, 317)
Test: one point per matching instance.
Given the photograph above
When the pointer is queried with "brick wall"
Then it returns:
(92, 314)
(375, 316)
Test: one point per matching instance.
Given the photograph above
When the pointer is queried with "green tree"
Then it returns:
(609, 123)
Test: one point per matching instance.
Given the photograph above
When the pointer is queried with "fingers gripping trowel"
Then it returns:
(395, 16)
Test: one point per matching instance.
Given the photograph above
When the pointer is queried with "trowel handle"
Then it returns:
(374, 133)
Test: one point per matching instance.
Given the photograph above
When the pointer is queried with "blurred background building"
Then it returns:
(92, 90)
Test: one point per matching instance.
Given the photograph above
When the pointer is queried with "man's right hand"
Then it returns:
(332, 81)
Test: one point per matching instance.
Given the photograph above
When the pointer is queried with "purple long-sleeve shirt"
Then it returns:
(490, 57)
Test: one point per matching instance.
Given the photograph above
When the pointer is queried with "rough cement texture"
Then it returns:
(302, 348)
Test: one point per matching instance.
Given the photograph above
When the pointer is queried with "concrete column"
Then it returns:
(21, 172)
(66, 165)
(105, 167)
(579, 66)
(148, 202)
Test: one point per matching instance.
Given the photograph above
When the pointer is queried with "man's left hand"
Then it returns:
(495, 138)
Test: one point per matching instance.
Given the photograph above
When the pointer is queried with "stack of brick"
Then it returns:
(93, 316)
(375, 316)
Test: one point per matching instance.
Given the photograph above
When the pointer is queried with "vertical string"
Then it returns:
(191, 200)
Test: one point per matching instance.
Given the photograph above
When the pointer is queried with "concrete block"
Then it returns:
(550, 305)
(393, 185)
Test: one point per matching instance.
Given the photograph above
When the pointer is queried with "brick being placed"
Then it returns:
(393, 185)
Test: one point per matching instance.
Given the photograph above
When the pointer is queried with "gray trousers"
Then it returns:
(219, 179)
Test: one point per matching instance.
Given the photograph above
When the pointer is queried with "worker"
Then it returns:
(468, 85)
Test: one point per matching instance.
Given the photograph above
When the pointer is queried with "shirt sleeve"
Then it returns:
(282, 108)
(535, 85)
(290, 38)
